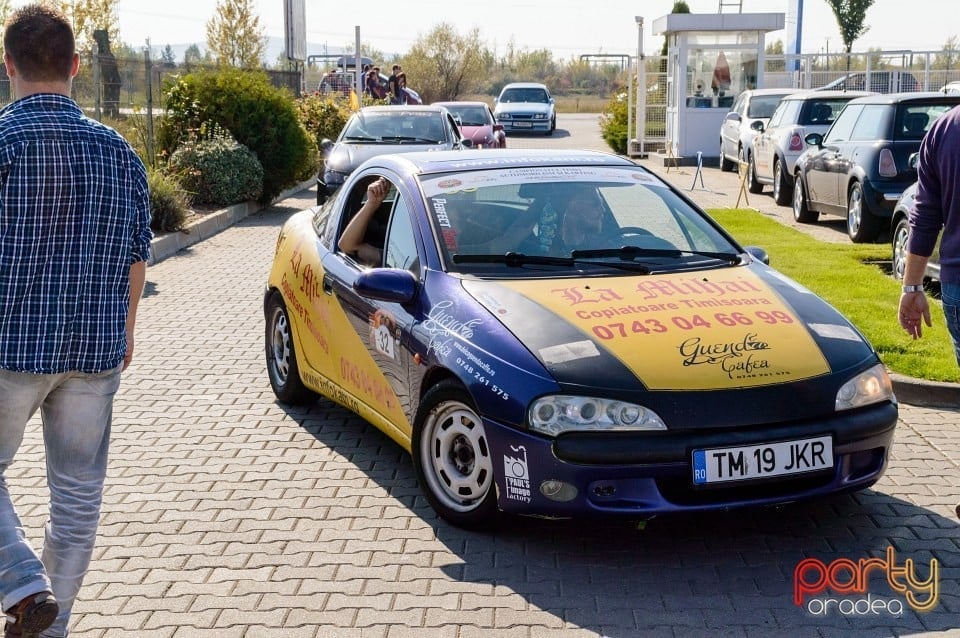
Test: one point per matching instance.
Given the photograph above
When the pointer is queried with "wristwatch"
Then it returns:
(913, 288)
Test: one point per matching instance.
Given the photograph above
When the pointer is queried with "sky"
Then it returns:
(568, 28)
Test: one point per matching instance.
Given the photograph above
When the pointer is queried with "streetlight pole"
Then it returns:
(641, 119)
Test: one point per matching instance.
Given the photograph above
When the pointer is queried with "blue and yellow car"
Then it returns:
(563, 334)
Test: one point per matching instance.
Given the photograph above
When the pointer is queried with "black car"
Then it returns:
(377, 130)
(860, 167)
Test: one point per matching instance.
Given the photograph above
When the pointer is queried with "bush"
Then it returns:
(169, 204)
(613, 123)
(258, 115)
(323, 116)
(218, 171)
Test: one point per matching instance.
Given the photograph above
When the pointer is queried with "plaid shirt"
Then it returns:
(74, 215)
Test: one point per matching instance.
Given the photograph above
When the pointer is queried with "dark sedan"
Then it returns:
(860, 167)
(376, 130)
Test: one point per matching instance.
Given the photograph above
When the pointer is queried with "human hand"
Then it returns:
(377, 190)
(913, 308)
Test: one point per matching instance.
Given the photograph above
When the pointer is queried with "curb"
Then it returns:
(213, 223)
(925, 394)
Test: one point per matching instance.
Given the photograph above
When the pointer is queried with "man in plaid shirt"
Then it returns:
(74, 240)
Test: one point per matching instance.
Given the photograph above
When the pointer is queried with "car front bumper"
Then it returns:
(521, 125)
(640, 475)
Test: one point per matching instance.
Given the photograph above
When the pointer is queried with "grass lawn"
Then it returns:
(853, 278)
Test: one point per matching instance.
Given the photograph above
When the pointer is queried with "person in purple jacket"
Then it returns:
(936, 210)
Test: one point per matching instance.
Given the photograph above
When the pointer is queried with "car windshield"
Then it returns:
(524, 95)
(397, 126)
(470, 115)
(575, 219)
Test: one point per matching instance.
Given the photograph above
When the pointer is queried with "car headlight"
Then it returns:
(870, 386)
(333, 178)
(503, 116)
(558, 413)
(539, 116)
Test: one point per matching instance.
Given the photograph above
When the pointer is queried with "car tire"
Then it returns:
(452, 458)
(801, 211)
(553, 126)
(782, 189)
(725, 164)
(862, 225)
(901, 233)
(281, 356)
(753, 185)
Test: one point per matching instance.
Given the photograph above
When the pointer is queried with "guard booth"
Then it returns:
(711, 59)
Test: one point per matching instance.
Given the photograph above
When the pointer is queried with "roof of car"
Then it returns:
(820, 95)
(525, 85)
(935, 97)
(424, 162)
(459, 103)
(400, 108)
(773, 91)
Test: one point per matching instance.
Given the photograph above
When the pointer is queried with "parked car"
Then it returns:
(525, 107)
(659, 367)
(477, 123)
(901, 233)
(736, 136)
(375, 130)
(879, 82)
(951, 88)
(779, 143)
(860, 168)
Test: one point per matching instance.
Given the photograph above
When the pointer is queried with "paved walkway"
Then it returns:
(229, 515)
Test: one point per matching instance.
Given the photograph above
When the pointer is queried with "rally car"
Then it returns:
(563, 334)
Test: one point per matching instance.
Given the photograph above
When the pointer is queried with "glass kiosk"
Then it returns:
(711, 58)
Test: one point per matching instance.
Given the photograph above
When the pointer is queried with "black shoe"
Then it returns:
(31, 615)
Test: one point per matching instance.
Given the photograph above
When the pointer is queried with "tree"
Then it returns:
(192, 55)
(949, 56)
(235, 36)
(167, 58)
(851, 17)
(87, 16)
(443, 65)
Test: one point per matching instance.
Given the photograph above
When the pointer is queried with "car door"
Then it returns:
(730, 129)
(823, 164)
(371, 350)
(764, 146)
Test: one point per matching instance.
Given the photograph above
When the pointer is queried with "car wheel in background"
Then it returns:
(281, 356)
(781, 187)
(901, 233)
(725, 164)
(553, 126)
(801, 213)
(862, 225)
(452, 458)
(752, 184)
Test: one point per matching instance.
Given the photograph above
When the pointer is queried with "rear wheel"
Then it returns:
(901, 233)
(282, 357)
(801, 213)
(862, 225)
(452, 458)
(781, 184)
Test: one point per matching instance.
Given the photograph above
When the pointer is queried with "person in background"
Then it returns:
(935, 212)
(75, 213)
(392, 89)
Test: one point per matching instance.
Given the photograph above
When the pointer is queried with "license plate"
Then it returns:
(523, 124)
(718, 465)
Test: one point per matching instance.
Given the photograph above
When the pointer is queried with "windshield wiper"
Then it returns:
(407, 138)
(359, 138)
(628, 253)
(514, 259)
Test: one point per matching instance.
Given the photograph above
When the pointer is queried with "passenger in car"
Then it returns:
(354, 240)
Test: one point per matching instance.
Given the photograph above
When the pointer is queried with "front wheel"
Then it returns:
(901, 234)
(862, 225)
(452, 458)
(752, 184)
(282, 357)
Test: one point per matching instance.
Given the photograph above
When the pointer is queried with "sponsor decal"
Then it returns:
(481, 373)
(569, 352)
(516, 474)
(851, 579)
(833, 331)
(384, 333)
(687, 331)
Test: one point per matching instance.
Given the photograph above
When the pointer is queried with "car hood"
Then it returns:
(735, 328)
(522, 107)
(476, 133)
(345, 156)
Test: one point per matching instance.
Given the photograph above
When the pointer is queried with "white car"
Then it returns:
(525, 107)
(736, 136)
(781, 141)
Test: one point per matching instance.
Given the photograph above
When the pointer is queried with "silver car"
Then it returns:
(736, 136)
(525, 107)
(780, 142)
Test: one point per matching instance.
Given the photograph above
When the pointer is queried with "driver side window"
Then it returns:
(401, 243)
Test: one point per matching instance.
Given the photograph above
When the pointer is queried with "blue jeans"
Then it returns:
(950, 296)
(76, 410)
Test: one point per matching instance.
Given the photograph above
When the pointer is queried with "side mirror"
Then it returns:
(733, 116)
(387, 284)
(466, 142)
(913, 159)
(326, 145)
(757, 126)
(758, 253)
(498, 127)
(814, 139)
